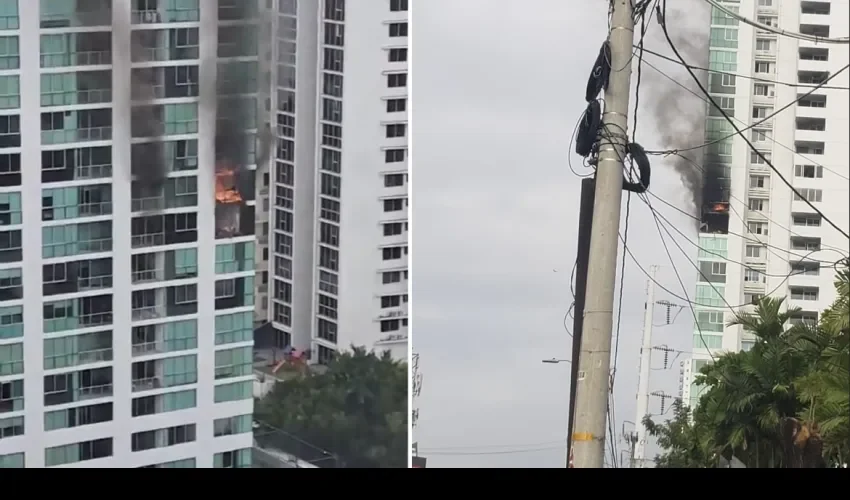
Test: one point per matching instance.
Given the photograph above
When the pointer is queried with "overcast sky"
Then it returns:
(498, 86)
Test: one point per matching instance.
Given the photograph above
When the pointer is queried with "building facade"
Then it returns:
(337, 242)
(127, 289)
(785, 248)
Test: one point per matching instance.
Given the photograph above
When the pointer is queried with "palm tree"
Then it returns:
(751, 392)
(825, 388)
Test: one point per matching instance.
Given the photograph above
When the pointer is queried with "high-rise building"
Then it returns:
(126, 289)
(337, 231)
(749, 215)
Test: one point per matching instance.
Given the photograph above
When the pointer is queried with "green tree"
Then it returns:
(685, 443)
(356, 409)
(749, 393)
(825, 387)
(784, 403)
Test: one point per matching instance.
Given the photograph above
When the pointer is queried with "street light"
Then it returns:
(554, 361)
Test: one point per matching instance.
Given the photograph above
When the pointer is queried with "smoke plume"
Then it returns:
(679, 115)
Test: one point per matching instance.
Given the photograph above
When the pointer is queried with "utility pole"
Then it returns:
(588, 437)
(639, 448)
(585, 229)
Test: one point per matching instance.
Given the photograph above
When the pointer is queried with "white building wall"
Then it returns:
(774, 258)
(355, 314)
(35, 440)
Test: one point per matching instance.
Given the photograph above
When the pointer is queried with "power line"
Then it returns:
(663, 22)
(739, 75)
(761, 121)
(777, 30)
(770, 138)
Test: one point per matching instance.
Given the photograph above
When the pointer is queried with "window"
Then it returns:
(757, 204)
(808, 171)
(760, 135)
(710, 321)
(397, 55)
(396, 105)
(328, 306)
(394, 205)
(804, 293)
(754, 251)
(767, 21)
(759, 182)
(765, 3)
(392, 253)
(764, 90)
(393, 229)
(394, 180)
(78, 452)
(812, 195)
(812, 220)
(394, 130)
(397, 80)
(396, 30)
(395, 155)
(757, 228)
(763, 45)
(760, 112)
(398, 5)
(753, 276)
(757, 159)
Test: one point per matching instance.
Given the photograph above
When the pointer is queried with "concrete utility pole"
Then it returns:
(639, 449)
(588, 439)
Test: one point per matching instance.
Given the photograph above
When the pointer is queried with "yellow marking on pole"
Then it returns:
(582, 436)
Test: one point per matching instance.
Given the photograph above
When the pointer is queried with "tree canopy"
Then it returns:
(356, 410)
(784, 403)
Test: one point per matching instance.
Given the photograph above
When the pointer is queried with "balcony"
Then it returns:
(90, 49)
(165, 82)
(803, 293)
(163, 373)
(76, 239)
(234, 258)
(11, 246)
(809, 147)
(73, 314)
(805, 245)
(234, 293)
(85, 125)
(180, 156)
(76, 202)
(65, 352)
(819, 30)
(157, 11)
(76, 386)
(76, 14)
(73, 89)
(237, 41)
(157, 230)
(176, 44)
(176, 193)
(77, 276)
(164, 266)
(76, 164)
(165, 302)
(165, 337)
(12, 285)
(153, 122)
(812, 78)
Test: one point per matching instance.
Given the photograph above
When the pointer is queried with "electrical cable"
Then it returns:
(598, 80)
(663, 22)
(588, 128)
(770, 138)
(776, 30)
(840, 251)
(760, 120)
(739, 75)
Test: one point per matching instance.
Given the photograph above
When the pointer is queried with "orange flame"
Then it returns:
(225, 189)
(720, 207)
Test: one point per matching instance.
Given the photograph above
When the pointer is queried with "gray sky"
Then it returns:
(497, 89)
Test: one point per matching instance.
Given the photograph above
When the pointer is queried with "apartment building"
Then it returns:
(127, 289)
(750, 216)
(337, 183)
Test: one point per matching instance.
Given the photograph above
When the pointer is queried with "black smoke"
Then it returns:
(679, 113)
